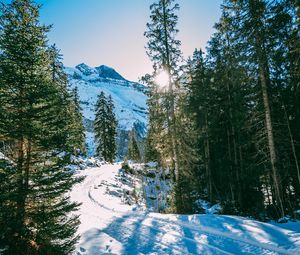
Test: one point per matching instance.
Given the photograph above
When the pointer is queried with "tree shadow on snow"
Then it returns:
(137, 237)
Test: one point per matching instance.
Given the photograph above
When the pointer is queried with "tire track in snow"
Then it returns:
(165, 243)
(248, 243)
(196, 227)
(184, 238)
(90, 183)
(215, 232)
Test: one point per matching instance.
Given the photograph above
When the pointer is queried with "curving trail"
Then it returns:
(110, 227)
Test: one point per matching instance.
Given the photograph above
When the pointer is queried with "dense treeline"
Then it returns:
(40, 128)
(230, 119)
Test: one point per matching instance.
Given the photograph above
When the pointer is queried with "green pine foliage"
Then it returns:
(73, 120)
(156, 130)
(133, 148)
(112, 131)
(228, 124)
(101, 125)
(76, 138)
(36, 215)
(240, 98)
(169, 126)
(105, 126)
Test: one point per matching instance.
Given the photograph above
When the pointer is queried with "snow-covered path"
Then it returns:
(110, 227)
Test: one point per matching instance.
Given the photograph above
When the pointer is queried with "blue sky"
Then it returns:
(110, 32)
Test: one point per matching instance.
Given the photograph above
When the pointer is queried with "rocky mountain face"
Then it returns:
(129, 99)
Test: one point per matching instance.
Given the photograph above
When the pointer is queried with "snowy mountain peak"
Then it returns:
(102, 71)
(129, 99)
(85, 69)
(108, 72)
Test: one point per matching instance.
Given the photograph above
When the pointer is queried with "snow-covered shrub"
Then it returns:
(127, 168)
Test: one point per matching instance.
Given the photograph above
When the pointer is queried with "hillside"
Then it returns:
(129, 99)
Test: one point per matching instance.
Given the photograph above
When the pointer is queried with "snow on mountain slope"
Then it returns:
(108, 72)
(111, 226)
(129, 97)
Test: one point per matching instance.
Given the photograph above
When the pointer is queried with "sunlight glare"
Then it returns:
(162, 80)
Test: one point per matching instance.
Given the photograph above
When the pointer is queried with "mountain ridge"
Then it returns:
(129, 98)
(101, 73)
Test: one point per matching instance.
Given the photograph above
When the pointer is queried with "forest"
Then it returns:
(228, 121)
(225, 122)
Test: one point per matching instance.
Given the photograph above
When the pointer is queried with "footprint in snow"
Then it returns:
(82, 249)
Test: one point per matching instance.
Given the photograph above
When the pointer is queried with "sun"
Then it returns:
(162, 80)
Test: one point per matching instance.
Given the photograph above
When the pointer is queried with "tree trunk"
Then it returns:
(27, 168)
(270, 135)
(207, 160)
(172, 128)
(292, 143)
(20, 199)
(262, 61)
(233, 132)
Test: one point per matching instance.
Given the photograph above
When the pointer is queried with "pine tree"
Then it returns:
(253, 19)
(165, 127)
(156, 130)
(112, 131)
(105, 128)
(283, 27)
(36, 213)
(242, 99)
(101, 126)
(133, 149)
(76, 139)
(163, 50)
(198, 102)
(293, 104)
(73, 120)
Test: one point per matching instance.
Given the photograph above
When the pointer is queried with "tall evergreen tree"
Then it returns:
(242, 99)
(253, 18)
(101, 126)
(163, 50)
(133, 149)
(76, 139)
(38, 219)
(105, 128)
(154, 141)
(165, 118)
(112, 131)
(70, 103)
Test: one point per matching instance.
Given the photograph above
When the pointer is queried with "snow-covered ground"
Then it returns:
(111, 223)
